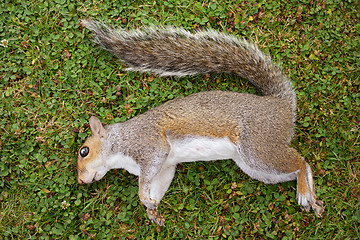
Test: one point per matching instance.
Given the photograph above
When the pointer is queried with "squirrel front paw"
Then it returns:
(155, 217)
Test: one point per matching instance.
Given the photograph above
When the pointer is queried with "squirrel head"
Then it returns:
(91, 164)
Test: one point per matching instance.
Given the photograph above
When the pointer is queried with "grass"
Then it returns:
(53, 79)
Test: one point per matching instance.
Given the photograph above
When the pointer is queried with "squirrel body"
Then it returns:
(254, 131)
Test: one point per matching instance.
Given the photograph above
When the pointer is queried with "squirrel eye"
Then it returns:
(84, 151)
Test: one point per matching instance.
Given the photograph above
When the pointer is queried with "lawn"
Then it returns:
(53, 78)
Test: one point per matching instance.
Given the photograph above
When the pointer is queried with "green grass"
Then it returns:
(53, 78)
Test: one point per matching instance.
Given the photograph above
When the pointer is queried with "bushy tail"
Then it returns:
(177, 52)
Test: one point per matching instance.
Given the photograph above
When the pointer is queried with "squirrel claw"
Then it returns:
(318, 207)
(155, 217)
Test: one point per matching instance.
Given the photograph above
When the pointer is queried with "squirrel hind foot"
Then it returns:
(304, 200)
(318, 207)
(307, 202)
(306, 195)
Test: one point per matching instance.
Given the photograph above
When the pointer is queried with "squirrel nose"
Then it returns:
(80, 181)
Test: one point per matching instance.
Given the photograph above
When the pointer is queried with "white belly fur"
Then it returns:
(195, 148)
(198, 148)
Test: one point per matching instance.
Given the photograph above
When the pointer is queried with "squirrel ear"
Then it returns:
(97, 128)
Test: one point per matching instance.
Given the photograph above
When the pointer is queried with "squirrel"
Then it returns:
(254, 131)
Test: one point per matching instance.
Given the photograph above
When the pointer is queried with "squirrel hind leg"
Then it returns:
(306, 196)
(281, 164)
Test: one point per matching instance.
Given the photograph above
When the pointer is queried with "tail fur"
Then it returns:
(177, 52)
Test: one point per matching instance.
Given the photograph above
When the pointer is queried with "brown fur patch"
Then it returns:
(301, 180)
(211, 125)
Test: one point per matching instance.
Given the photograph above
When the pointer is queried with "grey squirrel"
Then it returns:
(254, 131)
